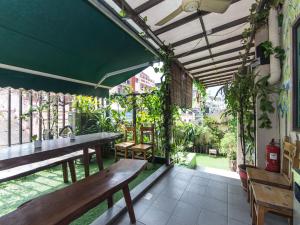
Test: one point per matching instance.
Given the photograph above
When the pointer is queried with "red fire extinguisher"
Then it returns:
(273, 157)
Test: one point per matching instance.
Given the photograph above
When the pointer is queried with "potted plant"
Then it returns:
(37, 143)
(232, 161)
(246, 90)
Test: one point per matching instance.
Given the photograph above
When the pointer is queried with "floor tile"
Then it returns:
(192, 198)
(211, 218)
(240, 212)
(154, 216)
(165, 204)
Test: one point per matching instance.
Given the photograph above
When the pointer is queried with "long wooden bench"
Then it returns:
(64, 205)
(28, 169)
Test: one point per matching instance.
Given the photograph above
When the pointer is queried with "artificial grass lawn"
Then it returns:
(218, 162)
(14, 193)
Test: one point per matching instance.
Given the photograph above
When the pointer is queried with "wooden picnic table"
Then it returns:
(23, 154)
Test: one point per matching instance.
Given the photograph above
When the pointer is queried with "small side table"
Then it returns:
(266, 198)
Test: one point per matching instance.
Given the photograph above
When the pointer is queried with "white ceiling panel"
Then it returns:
(224, 74)
(215, 66)
(194, 56)
(182, 32)
(199, 63)
(228, 33)
(218, 71)
(226, 47)
(190, 46)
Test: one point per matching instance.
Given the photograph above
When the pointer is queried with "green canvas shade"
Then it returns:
(64, 46)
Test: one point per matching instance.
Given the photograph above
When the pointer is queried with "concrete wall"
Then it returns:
(291, 12)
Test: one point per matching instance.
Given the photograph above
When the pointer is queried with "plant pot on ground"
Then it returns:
(243, 175)
(232, 165)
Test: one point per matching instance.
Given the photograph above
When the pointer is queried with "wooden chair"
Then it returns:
(121, 149)
(144, 150)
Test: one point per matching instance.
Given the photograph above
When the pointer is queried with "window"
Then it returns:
(296, 75)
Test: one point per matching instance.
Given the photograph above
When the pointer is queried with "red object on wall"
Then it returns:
(273, 157)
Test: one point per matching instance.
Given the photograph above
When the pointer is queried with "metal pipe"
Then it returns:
(20, 117)
(9, 117)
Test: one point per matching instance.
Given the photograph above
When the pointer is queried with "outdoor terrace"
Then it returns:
(195, 197)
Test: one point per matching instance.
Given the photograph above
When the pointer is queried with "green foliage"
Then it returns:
(201, 93)
(270, 50)
(228, 145)
(241, 100)
(40, 109)
(90, 118)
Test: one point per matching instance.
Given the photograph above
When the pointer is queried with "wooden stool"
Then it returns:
(144, 150)
(266, 198)
(121, 149)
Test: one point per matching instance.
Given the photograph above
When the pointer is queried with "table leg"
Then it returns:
(98, 150)
(129, 205)
(260, 220)
(110, 202)
(251, 200)
(72, 170)
(86, 159)
(65, 171)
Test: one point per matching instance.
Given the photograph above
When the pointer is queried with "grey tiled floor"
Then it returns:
(192, 197)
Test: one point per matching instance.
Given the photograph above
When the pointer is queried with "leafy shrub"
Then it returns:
(229, 145)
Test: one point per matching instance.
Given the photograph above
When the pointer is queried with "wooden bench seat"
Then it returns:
(65, 205)
(25, 170)
(268, 178)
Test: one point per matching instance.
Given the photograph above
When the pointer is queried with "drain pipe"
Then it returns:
(275, 70)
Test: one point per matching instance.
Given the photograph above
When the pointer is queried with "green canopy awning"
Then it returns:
(64, 46)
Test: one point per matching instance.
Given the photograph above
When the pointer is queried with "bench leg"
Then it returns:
(129, 205)
(110, 202)
(260, 220)
(65, 171)
(98, 151)
(72, 170)
(86, 162)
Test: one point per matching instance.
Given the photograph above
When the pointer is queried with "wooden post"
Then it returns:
(167, 122)
(134, 110)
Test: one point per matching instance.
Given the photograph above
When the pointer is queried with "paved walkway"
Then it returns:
(195, 197)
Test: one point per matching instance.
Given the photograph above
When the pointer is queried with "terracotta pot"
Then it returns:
(243, 175)
(232, 165)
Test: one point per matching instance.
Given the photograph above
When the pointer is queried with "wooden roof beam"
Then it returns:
(220, 67)
(218, 62)
(216, 44)
(183, 21)
(147, 5)
(221, 79)
(211, 74)
(229, 51)
(210, 79)
(212, 31)
(216, 84)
